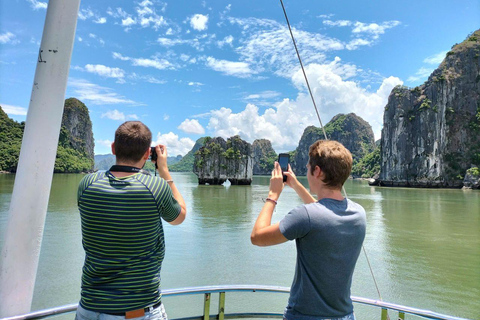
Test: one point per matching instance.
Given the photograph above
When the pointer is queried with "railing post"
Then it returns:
(384, 314)
(221, 306)
(206, 306)
(401, 315)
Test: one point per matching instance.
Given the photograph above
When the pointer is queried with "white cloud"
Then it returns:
(35, 4)
(284, 123)
(117, 55)
(128, 22)
(119, 116)
(146, 78)
(95, 94)
(8, 37)
(421, 74)
(374, 28)
(117, 13)
(228, 40)
(106, 143)
(263, 95)
(166, 117)
(193, 83)
(355, 43)
(231, 68)
(338, 23)
(266, 44)
(199, 22)
(105, 71)
(160, 64)
(191, 126)
(14, 110)
(84, 14)
(100, 20)
(436, 58)
(175, 145)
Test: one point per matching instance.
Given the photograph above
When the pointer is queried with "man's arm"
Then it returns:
(264, 233)
(165, 174)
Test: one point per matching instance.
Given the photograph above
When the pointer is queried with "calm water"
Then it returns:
(423, 245)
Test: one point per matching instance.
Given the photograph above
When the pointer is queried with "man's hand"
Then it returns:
(162, 160)
(292, 181)
(276, 182)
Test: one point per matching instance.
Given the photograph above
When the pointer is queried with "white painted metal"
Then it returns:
(28, 207)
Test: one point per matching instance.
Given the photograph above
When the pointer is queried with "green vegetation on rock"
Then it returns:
(186, 163)
(75, 145)
(11, 133)
(368, 166)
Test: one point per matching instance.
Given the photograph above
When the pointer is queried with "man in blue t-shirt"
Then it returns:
(328, 231)
(121, 214)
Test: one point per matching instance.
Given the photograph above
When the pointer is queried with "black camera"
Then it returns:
(153, 153)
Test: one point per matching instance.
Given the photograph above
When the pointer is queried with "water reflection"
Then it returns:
(423, 245)
(220, 207)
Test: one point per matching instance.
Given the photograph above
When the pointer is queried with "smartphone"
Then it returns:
(283, 159)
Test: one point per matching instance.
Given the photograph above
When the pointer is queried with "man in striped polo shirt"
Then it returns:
(122, 233)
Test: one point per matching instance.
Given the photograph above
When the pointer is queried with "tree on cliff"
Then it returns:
(11, 133)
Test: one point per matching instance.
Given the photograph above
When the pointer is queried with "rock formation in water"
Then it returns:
(76, 143)
(263, 157)
(219, 160)
(472, 178)
(431, 134)
(349, 129)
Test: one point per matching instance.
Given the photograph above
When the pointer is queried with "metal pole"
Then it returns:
(28, 207)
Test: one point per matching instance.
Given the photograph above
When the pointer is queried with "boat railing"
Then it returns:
(220, 315)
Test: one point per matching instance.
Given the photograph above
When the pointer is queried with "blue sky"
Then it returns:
(219, 68)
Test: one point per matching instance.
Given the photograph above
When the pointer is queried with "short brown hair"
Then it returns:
(132, 140)
(333, 159)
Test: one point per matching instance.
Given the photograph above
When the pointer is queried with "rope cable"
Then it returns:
(324, 132)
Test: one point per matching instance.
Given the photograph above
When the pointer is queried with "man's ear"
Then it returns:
(147, 154)
(317, 172)
(113, 147)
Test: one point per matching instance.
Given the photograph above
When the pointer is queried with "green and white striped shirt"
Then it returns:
(122, 235)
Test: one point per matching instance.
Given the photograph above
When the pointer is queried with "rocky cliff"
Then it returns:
(349, 129)
(431, 133)
(76, 144)
(219, 160)
(263, 157)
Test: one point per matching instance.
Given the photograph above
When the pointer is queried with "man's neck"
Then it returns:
(335, 194)
(120, 174)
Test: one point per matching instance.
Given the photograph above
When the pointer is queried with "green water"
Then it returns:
(423, 245)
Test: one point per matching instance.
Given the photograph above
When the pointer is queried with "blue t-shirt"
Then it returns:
(329, 236)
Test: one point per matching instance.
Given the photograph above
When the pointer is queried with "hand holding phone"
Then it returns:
(283, 159)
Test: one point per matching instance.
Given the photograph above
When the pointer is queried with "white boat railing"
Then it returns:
(221, 290)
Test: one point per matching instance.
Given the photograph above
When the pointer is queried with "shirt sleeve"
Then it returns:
(296, 224)
(168, 205)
